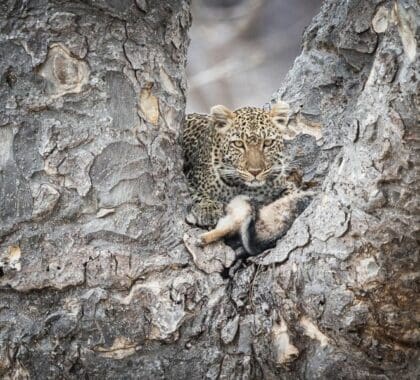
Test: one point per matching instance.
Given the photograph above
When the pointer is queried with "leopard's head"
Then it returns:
(249, 143)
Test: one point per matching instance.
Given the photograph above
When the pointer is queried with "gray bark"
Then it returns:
(95, 278)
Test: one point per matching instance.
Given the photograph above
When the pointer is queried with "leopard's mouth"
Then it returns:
(251, 180)
(232, 176)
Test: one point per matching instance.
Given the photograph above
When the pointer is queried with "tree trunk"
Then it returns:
(95, 278)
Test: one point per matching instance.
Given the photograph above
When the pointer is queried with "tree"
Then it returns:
(96, 280)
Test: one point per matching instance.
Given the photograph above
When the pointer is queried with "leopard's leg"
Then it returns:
(205, 212)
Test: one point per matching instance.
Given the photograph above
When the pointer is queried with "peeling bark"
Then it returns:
(95, 278)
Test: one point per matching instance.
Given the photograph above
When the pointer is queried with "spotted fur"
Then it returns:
(230, 153)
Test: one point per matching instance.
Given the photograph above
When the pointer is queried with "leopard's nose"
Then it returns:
(255, 171)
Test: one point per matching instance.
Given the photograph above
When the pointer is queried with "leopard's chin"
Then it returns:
(255, 183)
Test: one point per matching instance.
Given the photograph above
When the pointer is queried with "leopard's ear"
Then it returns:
(280, 116)
(222, 117)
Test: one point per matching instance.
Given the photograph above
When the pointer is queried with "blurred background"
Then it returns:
(241, 50)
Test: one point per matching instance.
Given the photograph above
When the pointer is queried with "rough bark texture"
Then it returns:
(95, 279)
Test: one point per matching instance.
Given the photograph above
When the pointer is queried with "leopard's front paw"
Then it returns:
(205, 214)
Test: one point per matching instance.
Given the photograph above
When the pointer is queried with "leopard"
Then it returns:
(234, 153)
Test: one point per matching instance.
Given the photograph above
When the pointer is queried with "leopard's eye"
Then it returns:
(238, 143)
(268, 142)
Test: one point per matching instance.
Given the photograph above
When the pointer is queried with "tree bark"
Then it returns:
(95, 278)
